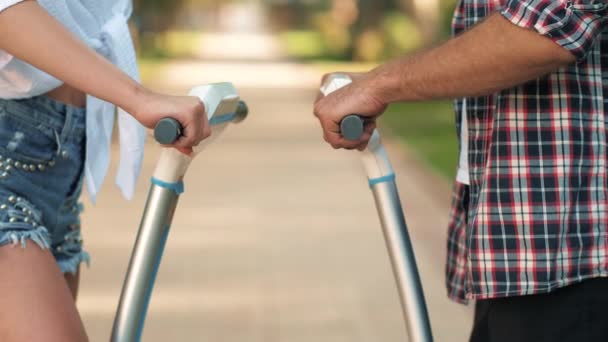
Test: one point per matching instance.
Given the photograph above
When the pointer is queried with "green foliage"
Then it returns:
(383, 30)
(303, 44)
(447, 12)
(428, 128)
(170, 44)
(403, 36)
(156, 15)
(397, 34)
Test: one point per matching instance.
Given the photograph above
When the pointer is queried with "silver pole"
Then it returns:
(145, 260)
(388, 204)
(403, 261)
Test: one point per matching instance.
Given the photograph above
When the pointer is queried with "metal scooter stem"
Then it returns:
(145, 261)
(403, 261)
(398, 243)
(223, 107)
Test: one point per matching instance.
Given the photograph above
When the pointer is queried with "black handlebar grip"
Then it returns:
(241, 112)
(167, 131)
(352, 127)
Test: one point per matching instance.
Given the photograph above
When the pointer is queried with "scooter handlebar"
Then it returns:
(169, 130)
(352, 127)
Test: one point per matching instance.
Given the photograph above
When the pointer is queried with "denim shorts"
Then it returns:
(42, 151)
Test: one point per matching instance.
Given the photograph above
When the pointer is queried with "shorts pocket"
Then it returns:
(24, 138)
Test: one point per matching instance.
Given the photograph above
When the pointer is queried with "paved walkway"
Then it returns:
(276, 237)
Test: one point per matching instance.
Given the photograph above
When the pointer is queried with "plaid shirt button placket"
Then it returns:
(534, 217)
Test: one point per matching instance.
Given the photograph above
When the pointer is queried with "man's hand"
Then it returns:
(361, 98)
(492, 56)
(187, 110)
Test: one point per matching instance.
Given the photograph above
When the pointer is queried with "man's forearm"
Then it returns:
(29, 33)
(492, 56)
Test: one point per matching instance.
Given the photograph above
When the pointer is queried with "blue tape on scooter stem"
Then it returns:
(383, 179)
(218, 120)
(178, 187)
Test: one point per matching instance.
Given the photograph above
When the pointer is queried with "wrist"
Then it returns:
(136, 100)
(384, 86)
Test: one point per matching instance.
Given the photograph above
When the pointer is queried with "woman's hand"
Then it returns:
(189, 111)
(46, 43)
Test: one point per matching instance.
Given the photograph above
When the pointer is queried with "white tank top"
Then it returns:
(463, 164)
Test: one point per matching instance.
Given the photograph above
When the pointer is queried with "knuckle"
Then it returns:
(191, 141)
(324, 77)
(181, 143)
(316, 111)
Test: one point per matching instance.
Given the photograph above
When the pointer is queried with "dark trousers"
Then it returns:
(577, 313)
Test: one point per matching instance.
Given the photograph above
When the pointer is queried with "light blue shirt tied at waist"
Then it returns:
(102, 25)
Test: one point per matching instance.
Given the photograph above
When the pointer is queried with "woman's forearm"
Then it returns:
(29, 33)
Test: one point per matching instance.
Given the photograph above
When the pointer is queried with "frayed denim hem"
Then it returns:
(38, 235)
(23, 223)
(70, 265)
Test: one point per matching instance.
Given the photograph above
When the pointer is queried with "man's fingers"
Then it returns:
(333, 136)
(370, 126)
(185, 150)
(337, 141)
(319, 96)
(365, 140)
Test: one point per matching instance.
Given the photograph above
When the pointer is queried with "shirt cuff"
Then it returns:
(4, 4)
(574, 25)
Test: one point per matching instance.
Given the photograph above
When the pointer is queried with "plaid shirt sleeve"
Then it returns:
(574, 24)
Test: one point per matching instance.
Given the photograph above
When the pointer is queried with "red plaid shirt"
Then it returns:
(535, 216)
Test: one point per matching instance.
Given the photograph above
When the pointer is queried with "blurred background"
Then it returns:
(276, 237)
(330, 35)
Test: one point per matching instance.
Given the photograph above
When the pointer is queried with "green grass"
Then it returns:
(428, 128)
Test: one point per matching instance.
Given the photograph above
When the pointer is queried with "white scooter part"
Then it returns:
(223, 107)
(382, 182)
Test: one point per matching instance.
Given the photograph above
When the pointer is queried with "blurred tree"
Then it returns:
(447, 13)
(156, 15)
(364, 30)
(369, 39)
(427, 15)
(150, 18)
